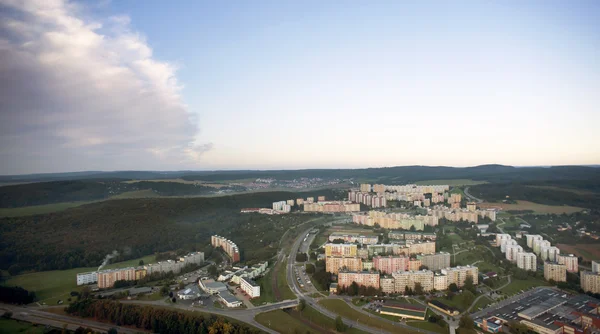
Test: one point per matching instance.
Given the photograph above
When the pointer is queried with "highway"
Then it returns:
(38, 316)
(478, 200)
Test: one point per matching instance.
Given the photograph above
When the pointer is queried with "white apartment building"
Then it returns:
(538, 244)
(512, 251)
(504, 243)
(440, 282)
(250, 287)
(531, 238)
(527, 261)
(87, 278)
(500, 237)
(549, 253)
(459, 274)
(595, 266)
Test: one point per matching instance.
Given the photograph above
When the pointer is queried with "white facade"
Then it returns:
(527, 261)
(595, 266)
(531, 238)
(570, 261)
(87, 278)
(500, 237)
(538, 244)
(250, 287)
(512, 251)
(505, 243)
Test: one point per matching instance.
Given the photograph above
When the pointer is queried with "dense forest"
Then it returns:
(496, 192)
(89, 190)
(156, 320)
(82, 236)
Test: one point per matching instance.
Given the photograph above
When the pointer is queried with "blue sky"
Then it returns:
(320, 84)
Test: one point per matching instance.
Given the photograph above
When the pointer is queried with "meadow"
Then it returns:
(537, 208)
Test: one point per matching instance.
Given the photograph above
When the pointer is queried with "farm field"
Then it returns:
(340, 307)
(50, 286)
(456, 182)
(589, 252)
(537, 208)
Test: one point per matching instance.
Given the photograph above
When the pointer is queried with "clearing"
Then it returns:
(457, 182)
(589, 252)
(537, 208)
(50, 286)
(39, 209)
(517, 285)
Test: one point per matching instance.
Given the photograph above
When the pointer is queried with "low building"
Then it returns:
(404, 311)
(491, 324)
(333, 288)
(449, 310)
(190, 292)
(228, 299)
(250, 287)
(541, 327)
(212, 287)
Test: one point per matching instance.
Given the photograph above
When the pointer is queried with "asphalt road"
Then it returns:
(478, 200)
(38, 316)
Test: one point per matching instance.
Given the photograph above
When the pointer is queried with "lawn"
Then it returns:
(517, 285)
(266, 289)
(281, 322)
(14, 326)
(457, 182)
(316, 317)
(537, 208)
(483, 302)
(284, 288)
(340, 307)
(50, 286)
(39, 209)
(426, 325)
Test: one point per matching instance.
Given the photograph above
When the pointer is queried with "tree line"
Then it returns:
(156, 320)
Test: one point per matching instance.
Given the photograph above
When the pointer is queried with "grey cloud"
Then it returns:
(82, 95)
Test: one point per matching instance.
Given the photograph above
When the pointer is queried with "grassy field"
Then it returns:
(483, 302)
(281, 322)
(284, 288)
(14, 326)
(457, 182)
(517, 285)
(575, 191)
(426, 325)
(50, 286)
(38, 209)
(537, 208)
(340, 307)
(266, 289)
(589, 252)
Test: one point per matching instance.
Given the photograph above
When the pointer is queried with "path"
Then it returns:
(477, 299)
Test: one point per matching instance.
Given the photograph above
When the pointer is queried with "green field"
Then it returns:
(483, 302)
(281, 322)
(38, 209)
(284, 288)
(517, 285)
(426, 325)
(340, 307)
(50, 286)
(457, 182)
(13, 326)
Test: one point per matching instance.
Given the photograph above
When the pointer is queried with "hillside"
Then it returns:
(82, 236)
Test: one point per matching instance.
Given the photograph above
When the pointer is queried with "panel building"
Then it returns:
(527, 261)
(554, 271)
(348, 250)
(436, 261)
(590, 281)
(390, 264)
(107, 278)
(570, 261)
(228, 246)
(368, 279)
(459, 274)
(334, 264)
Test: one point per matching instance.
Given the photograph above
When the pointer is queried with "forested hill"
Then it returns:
(388, 175)
(82, 236)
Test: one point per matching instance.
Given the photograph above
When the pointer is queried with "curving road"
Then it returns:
(466, 191)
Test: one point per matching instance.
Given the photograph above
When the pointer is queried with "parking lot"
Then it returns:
(509, 309)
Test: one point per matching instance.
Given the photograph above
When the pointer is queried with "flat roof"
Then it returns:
(228, 297)
(214, 285)
(403, 311)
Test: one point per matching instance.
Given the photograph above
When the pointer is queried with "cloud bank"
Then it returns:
(82, 94)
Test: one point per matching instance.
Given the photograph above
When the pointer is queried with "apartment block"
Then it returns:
(570, 261)
(354, 237)
(538, 244)
(527, 261)
(390, 264)
(472, 206)
(291, 202)
(250, 287)
(596, 266)
(379, 188)
(404, 235)
(440, 281)
(320, 198)
(500, 237)
(590, 281)
(387, 284)
(331, 206)
(512, 251)
(345, 278)
(454, 198)
(87, 278)
(414, 264)
(346, 250)
(365, 188)
(404, 279)
(555, 271)
(228, 246)
(531, 238)
(505, 243)
(335, 264)
(300, 201)
(549, 253)
(459, 274)
(107, 278)
(435, 261)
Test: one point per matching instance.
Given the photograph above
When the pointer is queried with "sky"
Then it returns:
(198, 85)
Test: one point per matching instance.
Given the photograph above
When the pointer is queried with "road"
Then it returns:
(478, 298)
(36, 315)
(313, 302)
(478, 200)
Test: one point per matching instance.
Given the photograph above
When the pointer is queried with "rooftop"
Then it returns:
(228, 297)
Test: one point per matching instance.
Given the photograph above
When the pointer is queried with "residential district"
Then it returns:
(404, 260)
